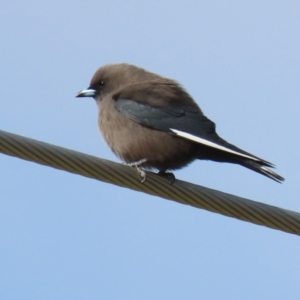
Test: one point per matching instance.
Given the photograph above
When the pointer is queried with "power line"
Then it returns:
(124, 176)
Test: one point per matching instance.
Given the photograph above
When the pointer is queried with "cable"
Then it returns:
(124, 176)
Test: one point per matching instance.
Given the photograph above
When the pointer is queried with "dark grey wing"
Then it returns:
(183, 121)
(183, 118)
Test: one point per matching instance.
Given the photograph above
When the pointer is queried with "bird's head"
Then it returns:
(109, 78)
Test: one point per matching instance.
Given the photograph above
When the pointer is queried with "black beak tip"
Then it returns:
(79, 95)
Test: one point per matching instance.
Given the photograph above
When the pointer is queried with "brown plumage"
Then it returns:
(132, 142)
(152, 121)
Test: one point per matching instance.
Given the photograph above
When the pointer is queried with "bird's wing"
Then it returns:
(184, 121)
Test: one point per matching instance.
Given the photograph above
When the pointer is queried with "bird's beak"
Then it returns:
(86, 93)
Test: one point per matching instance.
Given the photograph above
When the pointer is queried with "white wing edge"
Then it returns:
(208, 143)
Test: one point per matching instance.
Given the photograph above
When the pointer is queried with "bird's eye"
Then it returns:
(101, 83)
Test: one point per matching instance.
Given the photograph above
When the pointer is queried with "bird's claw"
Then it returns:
(139, 170)
(142, 174)
(169, 176)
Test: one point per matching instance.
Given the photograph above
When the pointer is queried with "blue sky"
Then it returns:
(68, 237)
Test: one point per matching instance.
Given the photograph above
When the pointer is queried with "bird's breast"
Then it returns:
(132, 142)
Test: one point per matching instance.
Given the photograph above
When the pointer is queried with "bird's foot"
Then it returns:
(169, 176)
(139, 170)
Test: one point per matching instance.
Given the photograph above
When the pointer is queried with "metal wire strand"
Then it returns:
(124, 176)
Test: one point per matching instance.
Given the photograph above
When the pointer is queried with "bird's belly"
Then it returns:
(133, 142)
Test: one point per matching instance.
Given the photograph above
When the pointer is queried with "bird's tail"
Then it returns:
(261, 168)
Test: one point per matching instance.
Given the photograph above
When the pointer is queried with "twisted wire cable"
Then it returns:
(124, 176)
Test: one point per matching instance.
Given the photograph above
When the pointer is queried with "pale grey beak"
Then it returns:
(86, 93)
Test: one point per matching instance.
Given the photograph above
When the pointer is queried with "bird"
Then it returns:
(151, 123)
